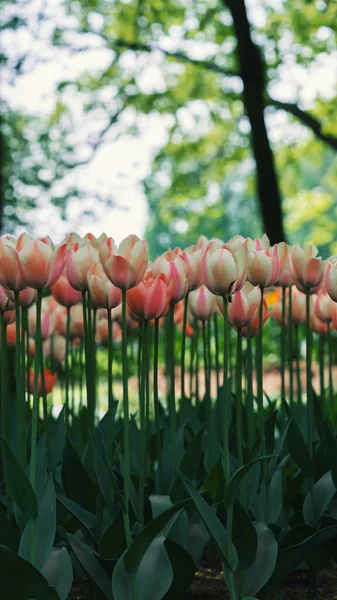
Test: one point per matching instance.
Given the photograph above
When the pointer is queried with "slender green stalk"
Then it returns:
(110, 381)
(4, 377)
(172, 404)
(35, 411)
(283, 344)
(238, 392)
(92, 361)
(310, 404)
(290, 350)
(192, 355)
(298, 365)
(86, 358)
(321, 367)
(230, 574)
(139, 357)
(66, 369)
(155, 392)
(217, 361)
(142, 418)
(226, 407)
(80, 361)
(207, 400)
(126, 432)
(72, 382)
(250, 397)
(330, 367)
(197, 363)
(20, 394)
(183, 352)
(259, 376)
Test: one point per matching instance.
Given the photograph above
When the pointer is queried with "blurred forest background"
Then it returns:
(225, 112)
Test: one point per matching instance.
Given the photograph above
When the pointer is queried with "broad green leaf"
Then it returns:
(20, 580)
(44, 526)
(317, 500)
(40, 469)
(291, 557)
(213, 524)
(235, 481)
(244, 536)
(299, 451)
(102, 473)
(58, 439)
(18, 484)
(79, 489)
(266, 555)
(188, 465)
(332, 452)
(113, 543)
(9, 535)
(58, 571)
(280, 444)
(161, 524)
(183, 569)
(152, 579)
(159, 504)
(86, 558)
(214, 483)
(84, 517)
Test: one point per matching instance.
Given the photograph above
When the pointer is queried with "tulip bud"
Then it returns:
(202, 303)
(308, 271)
(126, 267)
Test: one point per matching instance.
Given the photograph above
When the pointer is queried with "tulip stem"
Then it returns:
(290, 349)
(4, 377)
(217, 362)
(250, 397)
(172, 406)
(66, 368)
(142, 417)
(330, 367)
(183, 351)
(298, 365)
(321, 367)
(238, 392)
(310, 406)
(155, 395)
(126, 432)
(20, 396)
(225, 399)
(259, 375)
(192, 355)
(283, 344)
(207, 401)
(110, 375)
(197, 361)
(35, 412)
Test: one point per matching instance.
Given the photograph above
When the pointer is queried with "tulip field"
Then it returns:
(137, 438)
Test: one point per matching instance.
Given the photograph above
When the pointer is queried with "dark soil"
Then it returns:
(208, 584)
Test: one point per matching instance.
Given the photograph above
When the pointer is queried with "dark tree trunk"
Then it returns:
(252, 73)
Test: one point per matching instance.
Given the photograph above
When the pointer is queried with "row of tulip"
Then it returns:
(100, 293)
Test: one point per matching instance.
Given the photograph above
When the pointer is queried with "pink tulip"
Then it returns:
(175, 269)
(255, 322)
(308, 271)
(64, 293)
(224, 271)
(202, 303)
(193, 258)
(55, 348)
(243, 306)
(285, 278)
(331, 280)
(149, 299)
(298, 306)
(41, 263)
(78, 262)
(324, 308)
(104, 294)
(263, 267)
(126, 266)
(6, 301)
(12, 275)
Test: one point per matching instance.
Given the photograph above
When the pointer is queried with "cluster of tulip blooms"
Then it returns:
(206, 278)
(87, 291)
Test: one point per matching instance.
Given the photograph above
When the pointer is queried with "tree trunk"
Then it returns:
(251, 71)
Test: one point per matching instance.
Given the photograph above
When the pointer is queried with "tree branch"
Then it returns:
(307, 119)
(206, 64)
